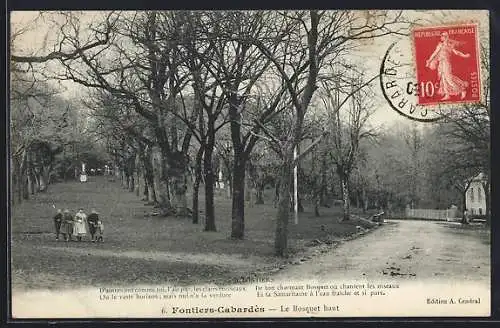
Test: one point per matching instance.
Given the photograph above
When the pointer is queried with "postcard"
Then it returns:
(249, 164)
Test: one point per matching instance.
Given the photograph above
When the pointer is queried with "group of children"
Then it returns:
(69, 225)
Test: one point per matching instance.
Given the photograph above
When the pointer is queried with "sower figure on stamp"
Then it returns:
(449, 84)
(80, 228)
(67, 225)
(57, 222)
(92, 220)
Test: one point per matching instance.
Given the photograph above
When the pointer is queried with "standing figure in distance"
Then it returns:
(465, 219)
(80, 228)
(100, 231)
(449, 84)
(67, 225)
(92, 220)
(57, 222)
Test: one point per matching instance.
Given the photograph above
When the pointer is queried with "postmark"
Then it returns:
(398, 81)
(424, 77)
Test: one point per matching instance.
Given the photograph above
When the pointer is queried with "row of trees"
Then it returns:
(48, 137)
(47, 134)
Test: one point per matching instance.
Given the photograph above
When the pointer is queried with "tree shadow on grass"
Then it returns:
(60, 270)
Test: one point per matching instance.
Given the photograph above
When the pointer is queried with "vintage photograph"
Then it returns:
(249, 164)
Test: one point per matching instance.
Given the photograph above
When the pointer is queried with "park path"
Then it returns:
(417, 250)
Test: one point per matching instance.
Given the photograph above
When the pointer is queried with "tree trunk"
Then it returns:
(151, 194)
(260, 194)
(13, 180)
(31, 190)
(464, 202)
(276, 193)
(145, 188)
(238, 204)
(149, 176)
(209, 187)
(25, 186)
(196, 185)
(281, 235)
(41, 182)
(323, 185)
(20, 187)
(486, 188)
(229, 189)
(23, 179)
(248, 187)
(160, 177)
(44, 177)
(26, 183)
(177, 182)
(124, 179)
(317, 200)
(131, 182)
(345, 197)
(316, 206)
(49, 173)
(195, 215)
(251, 194)
(16, 192)
(37, 181)
(365, 200)
(299, 205)
(137, 174)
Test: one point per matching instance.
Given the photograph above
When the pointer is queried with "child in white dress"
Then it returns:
(80, 225)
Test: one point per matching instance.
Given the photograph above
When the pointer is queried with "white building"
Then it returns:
(475, 200)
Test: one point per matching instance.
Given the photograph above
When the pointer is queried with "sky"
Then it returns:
(38, 38)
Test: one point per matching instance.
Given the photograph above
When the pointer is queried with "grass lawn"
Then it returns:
(142, 249)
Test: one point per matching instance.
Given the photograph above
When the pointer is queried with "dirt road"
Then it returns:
(416, 250)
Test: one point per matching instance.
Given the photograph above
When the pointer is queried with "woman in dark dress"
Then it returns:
(57, 222)
(92, 219)
(67, 225)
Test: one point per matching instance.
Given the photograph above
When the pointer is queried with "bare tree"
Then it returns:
(469, 126)
(41, 124)
(115, 120)
(317, 36)
(141, 64)
(453, 162)
(414, 143)
(238, 67)
(63, 49)
(348, 129)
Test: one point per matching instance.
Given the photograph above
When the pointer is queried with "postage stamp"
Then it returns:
(447, 64)
(423, 77)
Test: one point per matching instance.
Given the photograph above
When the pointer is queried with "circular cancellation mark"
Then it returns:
(399, 86)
